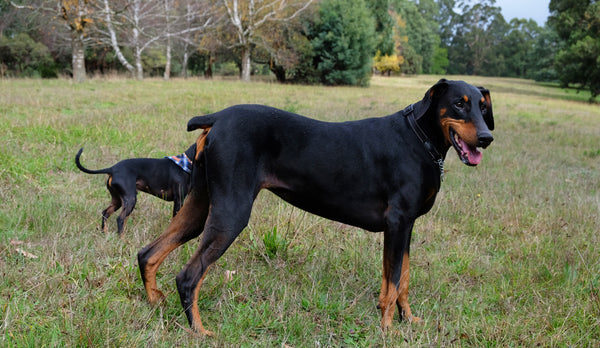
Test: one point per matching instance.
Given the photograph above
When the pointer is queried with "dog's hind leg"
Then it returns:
(129, 200)
(222, 227)
(114, 205)
(186, 225)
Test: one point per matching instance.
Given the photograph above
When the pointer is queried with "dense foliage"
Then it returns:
(577, 24)
(307, 41)
(343, 42)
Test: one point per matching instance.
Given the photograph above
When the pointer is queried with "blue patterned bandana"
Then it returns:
(182, 161)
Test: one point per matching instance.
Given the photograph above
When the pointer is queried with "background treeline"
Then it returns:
(302, 41)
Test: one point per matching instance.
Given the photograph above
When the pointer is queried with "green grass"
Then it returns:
(508, 256)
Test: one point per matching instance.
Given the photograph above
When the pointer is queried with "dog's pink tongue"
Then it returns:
(473, 154)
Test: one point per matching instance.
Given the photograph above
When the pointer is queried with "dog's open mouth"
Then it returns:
(469, 155)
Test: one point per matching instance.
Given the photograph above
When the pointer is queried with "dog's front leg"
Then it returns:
(394, 285)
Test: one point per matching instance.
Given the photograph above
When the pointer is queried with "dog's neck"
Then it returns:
(425, 129)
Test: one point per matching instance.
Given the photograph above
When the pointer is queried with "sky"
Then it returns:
(534, 9)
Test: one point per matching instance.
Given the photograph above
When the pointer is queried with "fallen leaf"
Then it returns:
(26, 253)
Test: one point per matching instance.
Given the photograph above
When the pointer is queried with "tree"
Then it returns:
(542, 56)
(578, 26)
(142, 24)
(77, 16)
(475, 34)
(187, 21)
(384, 26)
(517, 47)
(248, 17)
(420, 30)
(194, 21)
(343, 42)
(136, 19)
(440, 61)
(284, 48)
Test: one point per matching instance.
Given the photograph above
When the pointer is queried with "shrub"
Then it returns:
(387, 64)
(22, 56)
(343, 42)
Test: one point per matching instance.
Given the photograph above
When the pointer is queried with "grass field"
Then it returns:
(508, 256)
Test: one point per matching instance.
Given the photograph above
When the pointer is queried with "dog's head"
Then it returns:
(465, 116)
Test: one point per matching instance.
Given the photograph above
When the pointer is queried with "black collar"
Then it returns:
(429, 146)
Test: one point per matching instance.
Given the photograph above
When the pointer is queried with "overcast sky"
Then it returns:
(534, 9)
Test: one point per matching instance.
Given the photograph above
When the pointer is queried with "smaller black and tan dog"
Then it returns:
(166, 178)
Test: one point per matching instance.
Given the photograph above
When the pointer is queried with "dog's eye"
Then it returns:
(483, 108)
(460, 104)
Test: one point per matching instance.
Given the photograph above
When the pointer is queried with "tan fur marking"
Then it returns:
(403, 291)
(201, 142)
(465, 98)
(443, 112)
(109, 183)
(466, 131)
(391, 296)
(171, 235)
(387, 297)
(196, 312)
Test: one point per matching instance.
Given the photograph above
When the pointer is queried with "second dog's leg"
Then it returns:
(128, 206)
(114, 205)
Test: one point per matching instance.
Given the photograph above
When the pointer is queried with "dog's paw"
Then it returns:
(414, 320)
(155, 296)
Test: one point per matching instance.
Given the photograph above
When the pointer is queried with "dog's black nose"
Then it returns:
(484, 139)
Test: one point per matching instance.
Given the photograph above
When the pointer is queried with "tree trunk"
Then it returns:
(167, 73)
(208, 73)
(77, 46)
(278, 70)
(184, 68)
(246, 66)
(113, 39)
(139, 69)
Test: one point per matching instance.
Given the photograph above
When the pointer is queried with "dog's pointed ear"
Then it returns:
(488, 116)
(431, 95)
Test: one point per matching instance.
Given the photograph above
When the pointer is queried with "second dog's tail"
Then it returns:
(203, 122)
(89, 171)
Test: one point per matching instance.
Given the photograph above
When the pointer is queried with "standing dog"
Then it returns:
(166, 178)
(379, 174)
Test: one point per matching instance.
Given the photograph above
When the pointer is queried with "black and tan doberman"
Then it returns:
(166, 178)
(379, 174)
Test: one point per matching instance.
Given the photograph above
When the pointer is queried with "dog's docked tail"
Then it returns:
(89, 171)
(203, 122)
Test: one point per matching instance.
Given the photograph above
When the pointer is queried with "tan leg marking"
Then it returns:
(392, 295)
(169, 241)
(196, 311)
(402, 300)
(389, 294)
